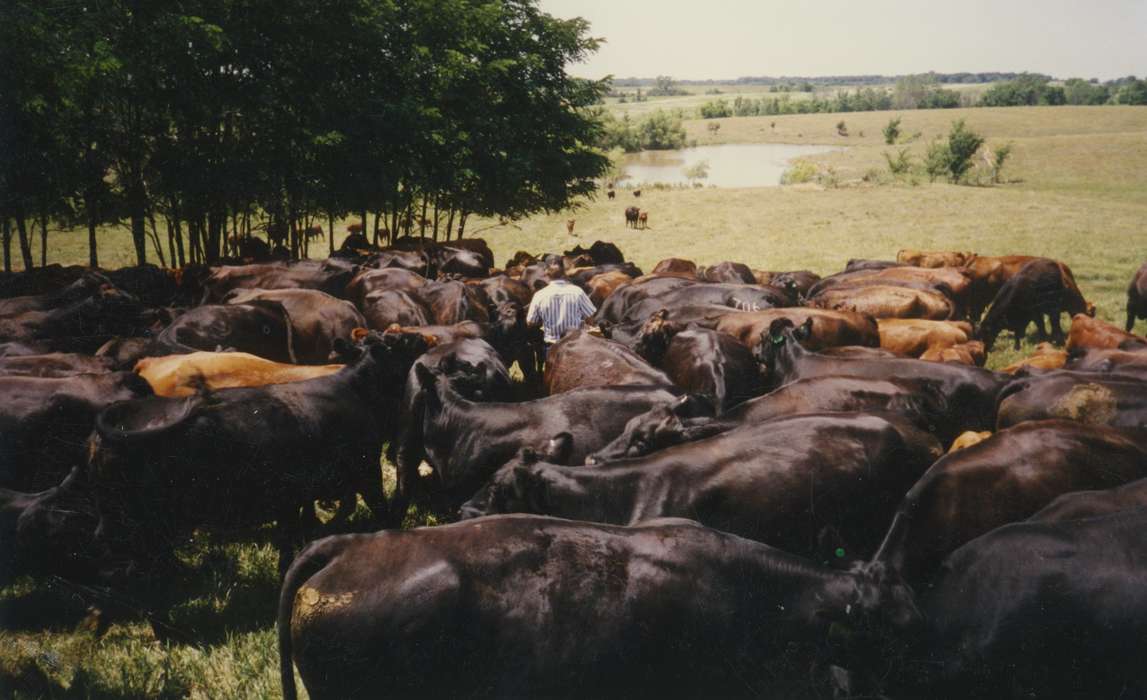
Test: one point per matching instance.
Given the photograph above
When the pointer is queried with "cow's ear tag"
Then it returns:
(778, 339)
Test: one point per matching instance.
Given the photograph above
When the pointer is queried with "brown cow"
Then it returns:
(913, 337)
(883, 301)
(631, 216)
(934, 258)
(969, 353)
(1093, 334)
(581, 359)
(601, 286)
(1046, 356)
(988, 274)
(570, 226)
(829, 328)
(637, 193)
(185, 375)
(643, 220)
(611, 194)
(677, 266)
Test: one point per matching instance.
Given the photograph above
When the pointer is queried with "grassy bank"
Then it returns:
(1076, 191)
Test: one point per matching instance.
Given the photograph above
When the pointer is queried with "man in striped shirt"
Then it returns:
(560, 307)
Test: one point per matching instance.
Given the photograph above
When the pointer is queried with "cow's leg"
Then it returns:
(1056, 331)
(1130, 313)
(287, 533)
(371, 488)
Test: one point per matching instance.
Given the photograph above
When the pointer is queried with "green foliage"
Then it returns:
(665, 86)
(962, 146)
(901, 164)
(1000, 156)
(937, 159)
(1083, 92)
(1027, 89)
(203, 112)
(892, 131)
(923, 91)
(1132, 92)
(717, 109)
(801, 171)
(659, 131)
(697, 171)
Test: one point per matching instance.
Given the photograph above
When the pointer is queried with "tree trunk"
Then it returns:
(155, 242)
(450, 223)
(137, 203)
(43, 240)
(330, 233)
(6, 232)
(93, 245)
(462, 223)
(177, 231)
(435, 218)
(25, 244)
(422, 222)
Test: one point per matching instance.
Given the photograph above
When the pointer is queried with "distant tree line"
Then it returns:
(662, 130)
(924, 92)
(833, 80)
(218, 117)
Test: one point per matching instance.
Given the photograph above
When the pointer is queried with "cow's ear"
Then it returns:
(805, 330)
(358, 334)
(392, 328)
(558, 448)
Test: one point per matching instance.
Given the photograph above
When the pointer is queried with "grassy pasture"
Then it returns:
(1076, 190)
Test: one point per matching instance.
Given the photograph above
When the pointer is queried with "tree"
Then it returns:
(1132, 92)
(937, 160)
(962, 146)
(892, 131)
(1084, 92)
(697, 171)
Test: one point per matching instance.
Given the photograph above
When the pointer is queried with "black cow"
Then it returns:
(795, 483)
(970, 392)
(50, 532)
(86, 286)
(466, 442)
(727, 272)
(581, 359)
(742, 297)
(631, 216)
(1089, 504)
(57, 364)
(239, 458)
(390, 279)
(918, 402)
(258, 327)
(81, 326)
(1137, 297)
(316, 319)
(44, 422)
(614, 309)
(385, 308)
(1097, 399)
(701, 361)
(1003, 479)
(1110, 361)
(1043, 610)
(330, 276)
(452, 302)
(541, 607)
(602, 252)
(1041, 288)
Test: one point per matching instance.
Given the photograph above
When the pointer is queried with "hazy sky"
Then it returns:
(731, 38)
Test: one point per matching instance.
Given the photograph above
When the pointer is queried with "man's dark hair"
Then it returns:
(556, 271)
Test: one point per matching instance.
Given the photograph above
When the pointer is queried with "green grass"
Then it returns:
(1077, 192)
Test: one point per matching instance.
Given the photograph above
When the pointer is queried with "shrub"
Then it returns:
(841, 128)
(800, 172)
(999, 157)
(892, 131)
(901, 164)
(962, 146)
(716, 109)
(697, 171)
(936, 160)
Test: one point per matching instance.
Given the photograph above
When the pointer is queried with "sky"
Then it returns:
(723, 39)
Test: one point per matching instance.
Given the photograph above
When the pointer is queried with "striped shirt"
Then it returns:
(560, 307)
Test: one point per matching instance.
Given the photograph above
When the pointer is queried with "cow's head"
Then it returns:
(782, 335)
(655, 335)
(654, 430)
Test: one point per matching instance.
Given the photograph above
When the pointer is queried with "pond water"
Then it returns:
(730, 165)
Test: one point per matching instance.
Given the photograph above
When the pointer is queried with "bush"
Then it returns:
(697, 171)
(901, 164)
(892, 131)
(999, 157)
(659, 131)
(962, 146)
(716, 109)
(841, 128)
(936, 160)
(801, 171)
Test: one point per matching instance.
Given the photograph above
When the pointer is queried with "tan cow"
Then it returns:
(184, 375)
(934, 258)
(829, 328)
(1089, 333)
(968, 438)
(913, 337)
(883, 301)
(601, 286)
(971, 353)
(1046, 356)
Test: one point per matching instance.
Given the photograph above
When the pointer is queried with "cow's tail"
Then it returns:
(310, 561)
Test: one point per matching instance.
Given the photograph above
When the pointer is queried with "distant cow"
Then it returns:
(611, 194)
(570, 226)
(1137, 297)
(637, 193)
(643, 220)
(631, 216)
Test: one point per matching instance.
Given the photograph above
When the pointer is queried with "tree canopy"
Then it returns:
(221, 116)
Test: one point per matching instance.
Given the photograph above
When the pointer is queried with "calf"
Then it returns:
(466, 442)
(541, 607)
(239, 458)
(44, 422)
(186, 375)
(795, 483)
(1042, 609)
(1137, 297)
(1095, 399)
(1041, 288)
(970, 392)
(1003, 479)
(918, 402)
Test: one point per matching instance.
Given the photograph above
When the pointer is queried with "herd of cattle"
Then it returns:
(728, 474)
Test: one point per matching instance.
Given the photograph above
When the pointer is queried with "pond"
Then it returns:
(730, 165)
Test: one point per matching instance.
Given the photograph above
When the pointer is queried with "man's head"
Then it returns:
(556, 271)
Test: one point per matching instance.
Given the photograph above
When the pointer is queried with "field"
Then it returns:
(1076, 190)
